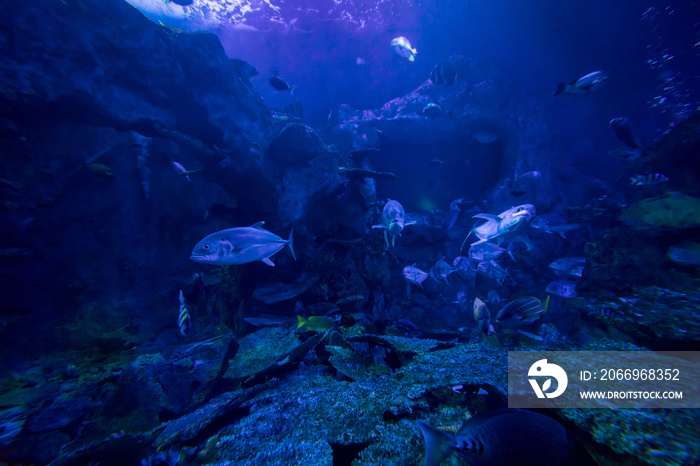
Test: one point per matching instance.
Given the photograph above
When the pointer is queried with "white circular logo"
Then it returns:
(543, 369)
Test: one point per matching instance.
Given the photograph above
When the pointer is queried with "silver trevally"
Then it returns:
(415, 275)
(393, 221)
(582, 85)
(402, 47)
(240, 246)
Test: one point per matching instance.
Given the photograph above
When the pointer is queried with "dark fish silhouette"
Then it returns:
(625, 133)
(279, 83)
(501, 438)
(444, 74)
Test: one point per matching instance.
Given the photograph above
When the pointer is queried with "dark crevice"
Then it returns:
(344, 455)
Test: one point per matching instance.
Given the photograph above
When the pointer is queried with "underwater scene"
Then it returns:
(314, 232)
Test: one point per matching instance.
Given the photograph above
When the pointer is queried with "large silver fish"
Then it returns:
(241, 245)
(507, 224)
(582, 85)
(415, 275)
(501, 438)
(393, 221)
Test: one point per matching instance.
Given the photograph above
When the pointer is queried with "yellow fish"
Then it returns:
(315, 323)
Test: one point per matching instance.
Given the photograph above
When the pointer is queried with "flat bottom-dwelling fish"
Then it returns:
(241, 245)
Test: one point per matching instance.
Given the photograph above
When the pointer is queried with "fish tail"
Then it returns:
(438, 444)
(291, 243)
(560, 89)
(301, 321)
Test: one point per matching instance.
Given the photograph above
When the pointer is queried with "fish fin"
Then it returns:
(412, 58)
(465, 240)
(546, 303)
(291, 243)
(489, 217)
(409, 223)
(386, 238)
(379, 226)
(301, 322)
(268, 261)
(561, 233)
(560, 89)
(258, 225)
(438, 444)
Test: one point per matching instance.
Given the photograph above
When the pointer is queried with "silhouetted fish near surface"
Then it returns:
(279, 83)
(504, 437)
(646, 180)
(522, 311)
(241, 245)
(582, 85)
(625, 133)
(444, 74)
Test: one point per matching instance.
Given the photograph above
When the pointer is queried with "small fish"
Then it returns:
(531, 335)
(645, 180)
(582, 85)
(241, 245)
(626, 134)
(464, 267)
(454, 205)
(522, 311)
(485, 251)
(493, 296)
(563, 288)
(603, 312)
(184, 321)
(551, 223)
(503, 437)
(432, 110)
(685, 253)
(279, 83)
(402, 47)
(524, 183)
(315, 323)
(493, 270)
(444, 74)
(414, 275)
(181, 170)
(100, 169)
(441, 270)
(483, 317)
(393, 221)
(461, 299)
(571, 266)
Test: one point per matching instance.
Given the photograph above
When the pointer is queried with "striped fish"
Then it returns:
(645, 180)
(522, 311)
(184, 321)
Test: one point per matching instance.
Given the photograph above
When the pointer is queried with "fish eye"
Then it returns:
(205, 246)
